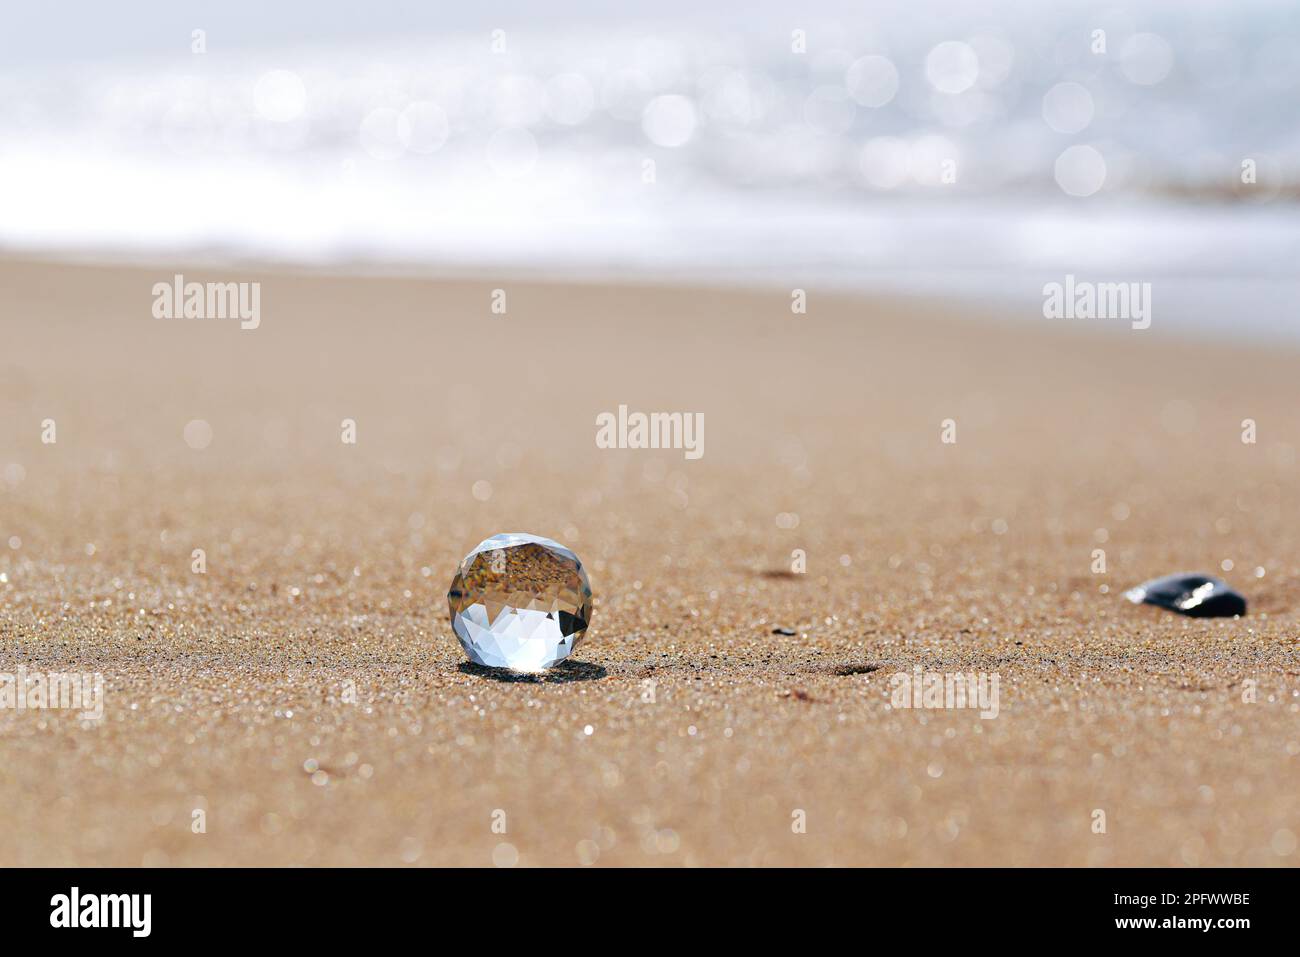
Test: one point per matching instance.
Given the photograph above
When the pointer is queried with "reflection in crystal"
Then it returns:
(520, 601)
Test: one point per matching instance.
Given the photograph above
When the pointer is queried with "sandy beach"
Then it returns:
(307, 695)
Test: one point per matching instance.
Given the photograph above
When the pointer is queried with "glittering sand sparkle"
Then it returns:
(306, 692)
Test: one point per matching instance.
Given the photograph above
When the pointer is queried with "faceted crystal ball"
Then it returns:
(520, 602)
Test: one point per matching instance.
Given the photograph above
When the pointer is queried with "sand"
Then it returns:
(306, 693)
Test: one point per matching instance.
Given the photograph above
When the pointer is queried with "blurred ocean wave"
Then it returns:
(950, 146)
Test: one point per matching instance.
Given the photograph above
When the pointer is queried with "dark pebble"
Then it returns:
(1200, 596)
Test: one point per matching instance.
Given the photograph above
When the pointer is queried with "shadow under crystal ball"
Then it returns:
(520, 601)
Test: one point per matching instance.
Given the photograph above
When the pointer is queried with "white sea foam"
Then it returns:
(695, 147)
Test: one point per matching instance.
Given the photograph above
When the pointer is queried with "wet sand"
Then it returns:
(306, 692)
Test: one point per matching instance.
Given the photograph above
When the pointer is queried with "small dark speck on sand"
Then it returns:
(858, 669)
(798, 694)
